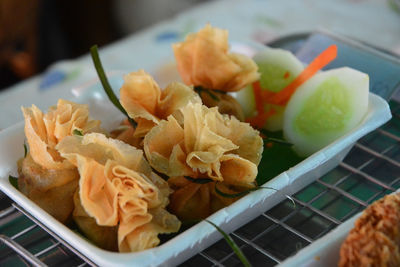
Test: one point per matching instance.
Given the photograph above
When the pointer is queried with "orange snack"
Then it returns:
(44, 131)
(207, 145)
(375, 238)
(118, 188)
(147, 104)
(203, 60)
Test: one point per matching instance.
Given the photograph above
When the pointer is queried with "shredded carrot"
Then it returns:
(282, 97)
(258, 97)
(286, 75)
(259, 120)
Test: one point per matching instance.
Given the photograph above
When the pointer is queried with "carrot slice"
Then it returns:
(286, 75)
(258, 97)
(259, 120)
(282, 97)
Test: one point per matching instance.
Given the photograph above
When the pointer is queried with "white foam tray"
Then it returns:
(200, 236)
(326, 250)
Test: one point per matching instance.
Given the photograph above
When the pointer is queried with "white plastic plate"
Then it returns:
(326, 250)
(200, 236)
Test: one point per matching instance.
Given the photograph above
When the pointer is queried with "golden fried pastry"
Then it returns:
(118, 188)
(375, 238)
(45, 177)
(203, 60)
(105, 237)
(207, 145)
(52, 190)
(147, 104)
(126, 133)
(44, 131)
(226, 103)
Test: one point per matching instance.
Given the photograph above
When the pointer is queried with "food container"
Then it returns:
(326, 250)
(200, 236)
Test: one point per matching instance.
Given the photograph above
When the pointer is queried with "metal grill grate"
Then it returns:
(371, 170)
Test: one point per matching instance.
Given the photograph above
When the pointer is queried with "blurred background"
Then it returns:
(36, 33)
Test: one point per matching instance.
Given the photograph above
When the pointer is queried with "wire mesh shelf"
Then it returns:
(370, 171)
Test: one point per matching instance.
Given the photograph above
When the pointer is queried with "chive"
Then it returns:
(235, 195)
(25, 150)
(199, 180)
(106, 85)
(274, 140)
(13, 181)
(232, 244)
(77, 132)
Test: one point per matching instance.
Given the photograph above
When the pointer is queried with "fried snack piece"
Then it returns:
(375, 238)
(44, 131)
(203, 60)
(207, 145)
(45, 177)
(126, 133)
(52, 190)
(226, 103)
(147, 104)
(118, 188)
(103, 236)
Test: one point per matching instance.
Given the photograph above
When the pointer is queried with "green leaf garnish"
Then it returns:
(232, 244)
(13, 181)
(77, 132)
(235, 195)
(276, 159)
(199, 180)
(25, 150)
(106, 85)
(200, 89)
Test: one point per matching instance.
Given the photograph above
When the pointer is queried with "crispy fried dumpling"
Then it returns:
(52, 190)
(207, 145)
(45, 177)
(103, 236)
(44, 131)
(147, 104)
(118, 187)
(226, 103)
(203, 60)
(126, 133)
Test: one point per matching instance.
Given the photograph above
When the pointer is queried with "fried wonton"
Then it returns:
(147, 104)
(44, 131)
(118, 187)
(105, 237)
(204, 60)
(375, 238)
(45, 177)
(207, 145)
(52, 190)
(226, 103)
(126, 133)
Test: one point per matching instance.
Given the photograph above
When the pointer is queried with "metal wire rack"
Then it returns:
(371, 170)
